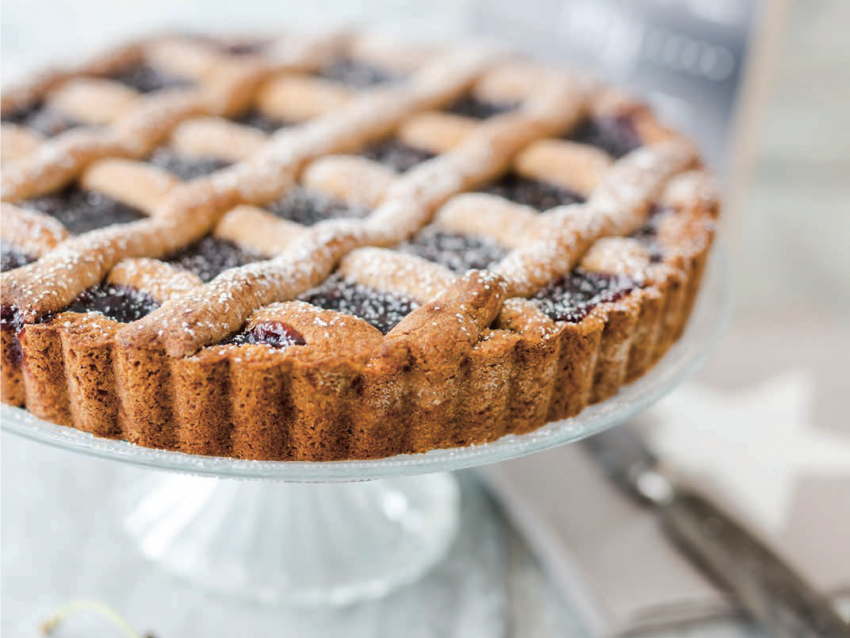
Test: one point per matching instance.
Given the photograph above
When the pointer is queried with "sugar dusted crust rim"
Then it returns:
(473, 363)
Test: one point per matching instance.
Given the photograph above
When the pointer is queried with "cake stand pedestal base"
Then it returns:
(290, 543)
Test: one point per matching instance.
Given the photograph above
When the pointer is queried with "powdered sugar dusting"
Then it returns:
(308, 207)
(619, 206)
(456, 252)
(571, 297)
(383, 310)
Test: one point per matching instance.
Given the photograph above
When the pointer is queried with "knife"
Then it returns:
(767, 588)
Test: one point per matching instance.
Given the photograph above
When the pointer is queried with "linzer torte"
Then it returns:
(337, 246)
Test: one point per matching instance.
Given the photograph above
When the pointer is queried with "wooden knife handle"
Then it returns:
(777, 597)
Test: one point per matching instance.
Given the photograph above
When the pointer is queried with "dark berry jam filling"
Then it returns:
(354, 74)
(471, 106)
(271, 333)
(396, 154)
(242, 47)
(530, 192)
(81, 210)
(307, 207)
(12, 257)
(41, 119)
(572, 297)
(210, 256)
(456, 252)
(617, 135)
(120, 303)
(146, 79)
(186, 167)
(647, 234)
(384, 310)
(255, 118)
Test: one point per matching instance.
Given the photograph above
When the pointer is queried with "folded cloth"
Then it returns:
(607, 555)
(752, 448)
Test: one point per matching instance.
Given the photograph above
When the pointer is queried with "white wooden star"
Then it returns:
(754, 444)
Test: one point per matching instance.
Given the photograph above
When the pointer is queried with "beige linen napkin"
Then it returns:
(753, 433)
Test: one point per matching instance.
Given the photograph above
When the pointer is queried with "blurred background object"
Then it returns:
(793, 250)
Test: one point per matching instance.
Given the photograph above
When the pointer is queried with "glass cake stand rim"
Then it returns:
(707, 324)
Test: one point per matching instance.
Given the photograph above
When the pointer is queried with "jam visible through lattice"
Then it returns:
(531, 192)
(647, 234)
(572, 297)
(307, 207)
(243, 47)
(471, 106)
(81, 210)
(146, 78)
(355, 74)
(120, 303)
(41, 118)
(275, 334)
(383, 310)
(617, 135)
(456, 252)
(396, 154)
(257, 119)
(210, 256)
(184, 166)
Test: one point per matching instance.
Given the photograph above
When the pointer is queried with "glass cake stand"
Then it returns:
(333, 533)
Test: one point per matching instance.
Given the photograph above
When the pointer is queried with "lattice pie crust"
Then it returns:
(336, 246)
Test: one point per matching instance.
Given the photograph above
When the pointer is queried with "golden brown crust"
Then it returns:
(474, 361)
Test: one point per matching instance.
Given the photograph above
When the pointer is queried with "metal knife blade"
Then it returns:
(766, 586)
